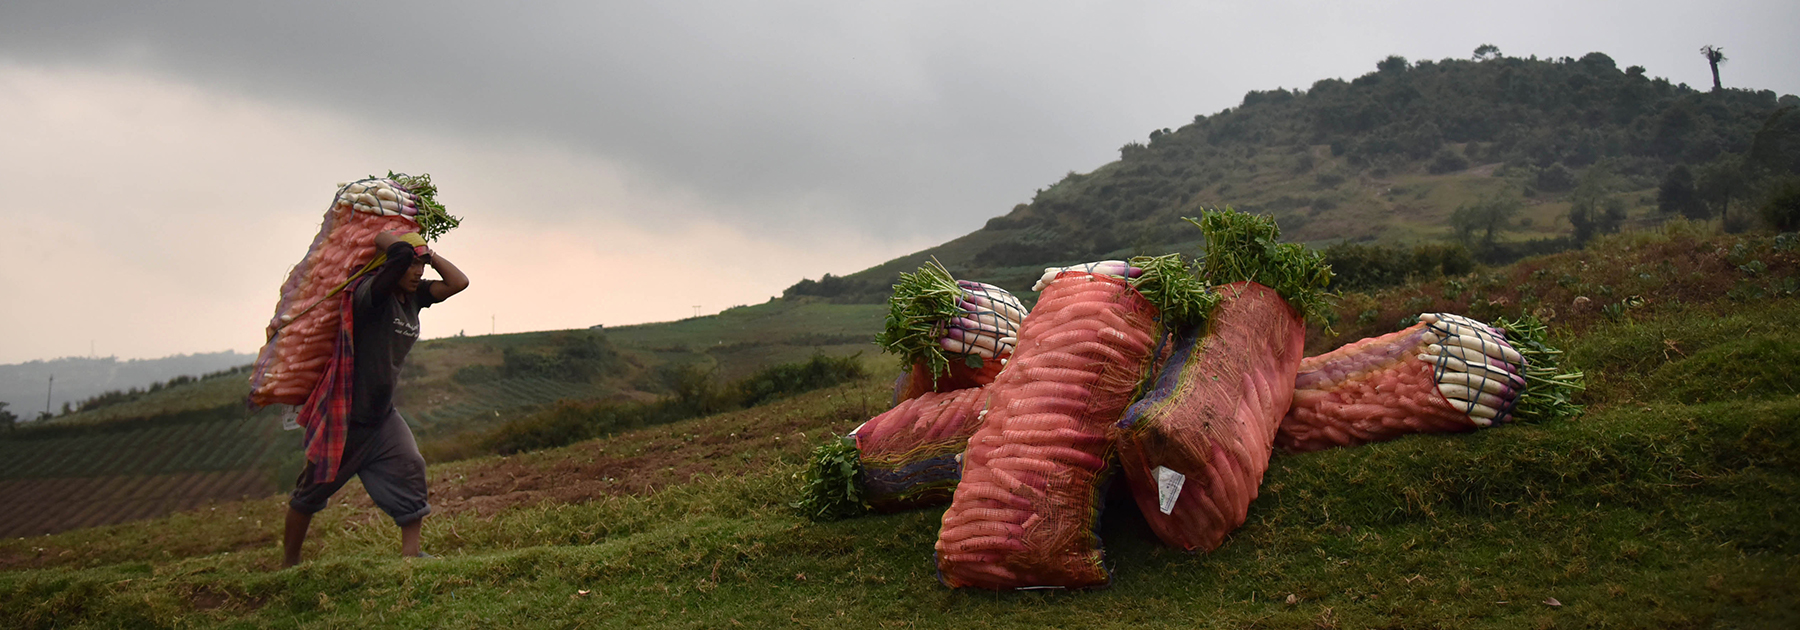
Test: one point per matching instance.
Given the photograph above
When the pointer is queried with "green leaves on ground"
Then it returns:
(829, 489)
(1549, 387)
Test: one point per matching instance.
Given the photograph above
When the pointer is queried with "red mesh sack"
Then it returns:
(916, 381)
(1195, 447)
(910, 455)
(1432, 377)
(301, 334)
(1025, 512)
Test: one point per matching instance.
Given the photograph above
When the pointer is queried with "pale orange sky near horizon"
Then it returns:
(192, 263)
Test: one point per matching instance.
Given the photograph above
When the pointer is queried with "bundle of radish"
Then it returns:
(1447, 373)
(907, 458)
(950, 334)
(1024, 514)
(1118, 268)
(1194, 448)
(301, 334)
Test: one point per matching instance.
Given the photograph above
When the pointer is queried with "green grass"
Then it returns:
(1647, 512)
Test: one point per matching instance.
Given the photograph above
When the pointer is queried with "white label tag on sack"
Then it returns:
(1168, 487)
(290, 419)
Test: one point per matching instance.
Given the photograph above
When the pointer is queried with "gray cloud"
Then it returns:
(758, 108)
(910, 119)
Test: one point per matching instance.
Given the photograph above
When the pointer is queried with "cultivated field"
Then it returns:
(168, 450)
(43, 506)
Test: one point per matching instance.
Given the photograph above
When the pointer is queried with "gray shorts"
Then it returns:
(387, 459)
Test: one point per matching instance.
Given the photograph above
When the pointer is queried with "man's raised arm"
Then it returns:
(454, 279)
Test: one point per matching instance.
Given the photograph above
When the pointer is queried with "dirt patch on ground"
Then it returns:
(1485, 170)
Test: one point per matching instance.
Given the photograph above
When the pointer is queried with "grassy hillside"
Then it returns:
(23, 386)
(1395, 155)
(1670, 503)
(195, 443)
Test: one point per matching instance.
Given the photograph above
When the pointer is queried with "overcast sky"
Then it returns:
(163, 164)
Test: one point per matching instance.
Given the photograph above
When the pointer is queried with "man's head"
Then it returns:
(421, 257)
(414, 274)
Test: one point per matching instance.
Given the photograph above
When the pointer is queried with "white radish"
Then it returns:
(1103, 267)
(374, 210)
(1478, 369)
(1466, 354)
(1478, 410)
(991, 342)
(983, 287)
(964, 348)
(1000, 328)
(998, 296)
(385, 212)
(1451, 362)
(1432, 318)
(1009, 311)
(1444, 328)
(984, 320)
(1454, 328)
(370, 200)
(1493, 349)
(1488, 385)
(1469, 394)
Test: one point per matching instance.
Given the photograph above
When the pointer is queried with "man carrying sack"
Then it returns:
(352, 427)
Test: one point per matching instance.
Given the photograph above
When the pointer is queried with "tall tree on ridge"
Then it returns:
(1714, 56)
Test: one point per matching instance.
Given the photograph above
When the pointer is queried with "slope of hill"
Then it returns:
(1393, 155)
(1668, 504)
(23, 385)
(195, 442)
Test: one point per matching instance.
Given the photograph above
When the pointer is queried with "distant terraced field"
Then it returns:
(56, 478)
(47, 506)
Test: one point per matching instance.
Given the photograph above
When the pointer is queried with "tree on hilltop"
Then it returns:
(1485, 52)
(1714, 56)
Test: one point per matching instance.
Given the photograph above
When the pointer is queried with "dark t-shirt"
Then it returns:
(387, 324)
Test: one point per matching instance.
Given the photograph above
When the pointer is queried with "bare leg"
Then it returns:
(409, 538)
(294, 536)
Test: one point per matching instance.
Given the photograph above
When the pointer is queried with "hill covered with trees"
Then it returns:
(83, 381)
(1498, 156)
